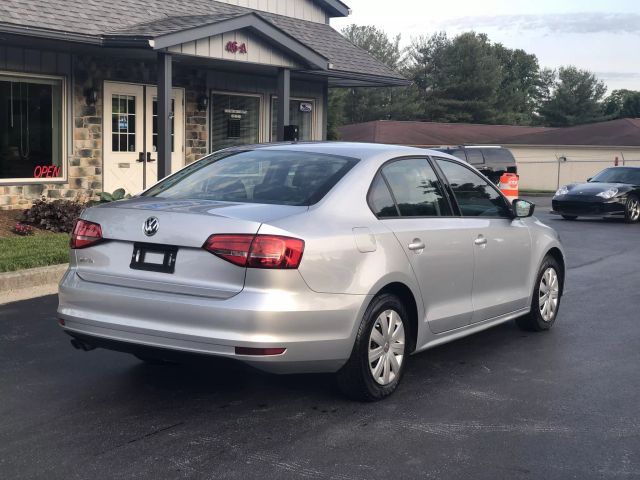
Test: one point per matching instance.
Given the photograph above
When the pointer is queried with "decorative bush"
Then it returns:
(106, 197)
(57, 216)
(22, 229)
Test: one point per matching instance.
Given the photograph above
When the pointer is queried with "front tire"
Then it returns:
(379, 354)
(546, 298)
(632, 209)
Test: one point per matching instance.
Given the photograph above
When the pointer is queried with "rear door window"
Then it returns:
(380, 199)
(474, 156)
(498, 155)
(416, 189)
(475, 196)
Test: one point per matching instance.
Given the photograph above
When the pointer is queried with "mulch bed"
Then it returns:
(8, 219)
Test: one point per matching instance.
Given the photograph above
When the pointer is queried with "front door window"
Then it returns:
(123, 123)
(235, 120)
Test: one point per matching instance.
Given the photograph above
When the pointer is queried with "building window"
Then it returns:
(300, 114)
(31, 141)
(235, 120)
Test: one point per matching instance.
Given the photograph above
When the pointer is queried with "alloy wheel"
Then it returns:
(386, 347)
(548, 294)
(634, 209)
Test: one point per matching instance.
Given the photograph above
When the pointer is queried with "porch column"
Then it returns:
(284, 97)
(164, 112)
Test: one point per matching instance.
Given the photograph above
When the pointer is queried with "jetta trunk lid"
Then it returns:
(184, 224)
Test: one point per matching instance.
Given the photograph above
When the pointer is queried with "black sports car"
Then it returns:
(614, 192)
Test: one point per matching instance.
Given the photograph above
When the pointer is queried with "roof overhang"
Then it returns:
(338, 78)
(335, 7)
(249, 21)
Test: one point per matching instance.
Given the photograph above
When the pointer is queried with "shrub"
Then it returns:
(22, 229)
(57, 216)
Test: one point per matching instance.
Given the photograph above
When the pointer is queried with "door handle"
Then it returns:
(417, 244)
(480, 240)
(140, 157)
(149, 159)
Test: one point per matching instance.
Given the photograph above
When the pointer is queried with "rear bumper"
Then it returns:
(587, 208)
(317, 330)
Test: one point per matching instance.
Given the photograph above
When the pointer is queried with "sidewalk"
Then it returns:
(30, 283)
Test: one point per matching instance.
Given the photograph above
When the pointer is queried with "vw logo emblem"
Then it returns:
(150, 226)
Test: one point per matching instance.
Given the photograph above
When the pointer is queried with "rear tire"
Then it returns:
(632, 209)
(379, 354)
(547, 292)
(570, 217)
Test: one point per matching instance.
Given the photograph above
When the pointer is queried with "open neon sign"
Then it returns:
(46, 171)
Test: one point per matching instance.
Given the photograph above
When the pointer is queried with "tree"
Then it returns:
(622, 103)
(362, 104)
(469, 79)
(576, 98)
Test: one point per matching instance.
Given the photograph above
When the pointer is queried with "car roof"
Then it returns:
(362, 151)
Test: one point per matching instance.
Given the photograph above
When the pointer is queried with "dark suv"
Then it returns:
(491, 161)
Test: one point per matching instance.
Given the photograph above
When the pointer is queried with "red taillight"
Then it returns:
(85, 233)
(259, 351)
(257, 251)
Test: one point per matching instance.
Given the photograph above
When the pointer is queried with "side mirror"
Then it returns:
(589, 179)
(523, 208)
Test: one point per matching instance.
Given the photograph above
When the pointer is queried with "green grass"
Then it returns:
(17, 253)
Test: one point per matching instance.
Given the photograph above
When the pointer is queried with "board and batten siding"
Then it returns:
(258, 51)
(544, 168)
(25, 60)
(265, 88)
(302, 9)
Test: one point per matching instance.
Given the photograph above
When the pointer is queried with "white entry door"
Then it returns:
(177, 137)
(130, 136)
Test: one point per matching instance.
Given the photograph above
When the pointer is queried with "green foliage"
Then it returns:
(118, 194)
(354, 105)
(622, 104)
(56, 216)
(576, 98)
(34, 251)
(468, 78)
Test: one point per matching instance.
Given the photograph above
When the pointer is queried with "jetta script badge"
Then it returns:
(150, 226)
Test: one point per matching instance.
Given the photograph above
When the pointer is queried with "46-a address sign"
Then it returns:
(235, 47)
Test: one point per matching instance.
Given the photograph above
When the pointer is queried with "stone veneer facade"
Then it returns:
(84, 168)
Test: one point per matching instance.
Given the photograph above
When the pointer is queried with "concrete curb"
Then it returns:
(30, 283)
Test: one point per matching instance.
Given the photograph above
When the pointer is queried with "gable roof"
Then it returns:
(431, 133)
(618, 133)
(135, 22)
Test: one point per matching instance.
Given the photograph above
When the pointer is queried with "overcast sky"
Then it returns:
(599, 35)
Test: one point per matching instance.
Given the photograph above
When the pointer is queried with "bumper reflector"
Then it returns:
(259, 351)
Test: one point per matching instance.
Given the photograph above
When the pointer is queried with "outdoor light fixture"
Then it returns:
(203, 101)
(91, 96)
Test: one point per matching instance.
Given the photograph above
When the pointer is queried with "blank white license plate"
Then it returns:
(153, 257)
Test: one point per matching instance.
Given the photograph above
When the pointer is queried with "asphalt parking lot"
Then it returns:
(500, 404)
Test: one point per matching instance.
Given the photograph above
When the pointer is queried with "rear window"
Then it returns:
(258, 176)
(498, 155)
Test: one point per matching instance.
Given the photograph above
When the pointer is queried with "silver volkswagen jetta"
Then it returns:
(318, 257)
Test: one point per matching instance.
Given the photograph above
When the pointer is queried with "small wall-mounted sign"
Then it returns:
(46, 171)
(124, 165)
(235, 47)
(306, 107)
